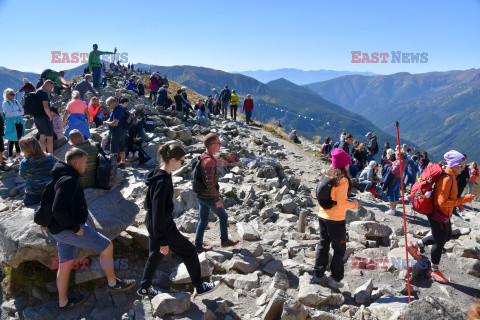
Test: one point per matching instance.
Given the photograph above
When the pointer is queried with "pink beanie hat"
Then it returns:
(340, 159)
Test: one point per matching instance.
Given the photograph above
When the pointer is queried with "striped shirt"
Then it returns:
(89, 177)
(37, 173)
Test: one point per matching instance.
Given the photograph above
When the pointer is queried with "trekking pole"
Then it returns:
(403, 203)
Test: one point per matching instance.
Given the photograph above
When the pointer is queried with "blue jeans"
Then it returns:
(367, 184)
(470, 187)
(369, 157)
(353, 171)
(248, 115)
(204, 207)
(31, 198)
(97, 72)
(200, 113)
(394, 191)
(408, 180)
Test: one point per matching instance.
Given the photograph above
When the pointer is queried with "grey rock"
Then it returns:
(363, 293)
(273, 267)
(361, 214)
(139, 235)
(166, 304)
(471, 266)
(247, 282)
(314, 295)
(370, 229)
(247, 231)
(274, 309)
(244, 264)
(280, 281)
(288, 206)
(181, 275)
(293, 310)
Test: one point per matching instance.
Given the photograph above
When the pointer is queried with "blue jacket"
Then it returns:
(387, 177)
(412, 168)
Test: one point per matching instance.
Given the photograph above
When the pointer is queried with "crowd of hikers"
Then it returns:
(58, 185)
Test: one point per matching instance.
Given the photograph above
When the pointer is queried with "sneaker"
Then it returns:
(205, 249)
(322, 280)
(334, 284)
(208, 287)
(121, 165)
(229, 243)
(390, 212)
(150, 292)
(122, 285)
(72, 303)
(413, 251)
(136, 154)
(437, 276)
(130, 155)
(10, 160)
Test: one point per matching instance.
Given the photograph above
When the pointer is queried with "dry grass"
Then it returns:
(193, 96)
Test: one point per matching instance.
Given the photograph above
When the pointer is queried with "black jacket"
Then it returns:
(159, 206)
(162, 98)
(69, 205)
(345, 146)
(372, 146)
(141, 89)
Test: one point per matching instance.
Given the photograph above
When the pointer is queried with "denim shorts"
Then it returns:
(68, 242)
(394, 191)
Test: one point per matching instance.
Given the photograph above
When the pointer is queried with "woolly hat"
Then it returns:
(454, 158)
(340, 159)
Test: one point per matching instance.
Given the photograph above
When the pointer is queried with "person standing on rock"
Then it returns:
(43, 118)
(343, 135)
(210, 198)
(95, 65)
(445, 199)
(372, 146)
(68, 228)
(163, 234)
(225, 96)
(333, 225)
(394, 189)
(14, 125)
(118, 133)
(234, 106)
(247, 107)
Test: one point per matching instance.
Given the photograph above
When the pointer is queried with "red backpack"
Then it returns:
(421, 195)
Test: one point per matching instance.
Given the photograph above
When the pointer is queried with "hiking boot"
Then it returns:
(205, 249)
(437, 275)
(334, 284)
(229, 243)
(150, 292)
(72, 303)
(322, 280)
(208, 287)
(413, 251)
(122, 285)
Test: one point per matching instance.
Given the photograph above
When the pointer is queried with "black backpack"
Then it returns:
(31, 105)
(323, 193)
(106, 170)
(127, 120)
(198, 185)
(226, 96)
(44, 215)
(148, 124)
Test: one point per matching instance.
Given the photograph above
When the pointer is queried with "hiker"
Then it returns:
(162, 97)
(92, 150)
(54, 76)
(84, 86)
(279, 124)
(346, 144)
(368, 177)
(326, 148)
(462, 178)
(187, 104)
(27, 88)
(115, 124)
(68, 228)
(95, 65)
(202, 110)
(165, 81)
(355, 145)
(445, 198)
(118, 95)
(384, 151)
(2, 143)
(95, 112)
(361, 156)
(410, 175)
(134, 137)
(293, 136)
(209, 200)
(209, 104)
(473, 176)
(14, 125)
(216, 102)
(130, 85)
(394, 189)
(247, 107)
(140, 88)
(333, 225)
(59, 139)
(181, 105)
(343, 135)
(77, 114)
(35, 168)
(234, 105)
(163, 234)
(225, 96)
(424, 161)
(372, 146)
(43, 118)
(154, 86)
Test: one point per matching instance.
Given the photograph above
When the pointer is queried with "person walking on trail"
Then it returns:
(225, 96)
(163, 234)
(95, 64)
(247, 107)
(209, 199)
(394, 190)
(14, 125)
(473, 176)
(43, 118)
(77, 114)
(233, 105)
(372, 146)
(333, 225)
(445, 198)
(68, 228)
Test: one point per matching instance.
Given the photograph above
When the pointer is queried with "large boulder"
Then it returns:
(370, 229)
(167, 304)
(180, 274)
(22, 240)
(314, 295)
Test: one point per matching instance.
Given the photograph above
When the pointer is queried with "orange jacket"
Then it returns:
(443, 198)
(340, 195)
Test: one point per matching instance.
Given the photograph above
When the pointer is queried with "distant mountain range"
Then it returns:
(298, 76)
(14, 79)
(438, 110)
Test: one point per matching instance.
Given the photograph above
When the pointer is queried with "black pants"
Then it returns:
(441, 233)
(331, 233)
(182, 248)
(233, 112)
(134, 146)
(98, 122)
(19, 128)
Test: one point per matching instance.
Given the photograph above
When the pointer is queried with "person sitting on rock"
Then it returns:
(68, 228)
(35, 169)
(162, 230)
(294, 137)
(134, 137)
(92, 150)
(95, 111)
(202, 110)
(445, 199)
(59, 139)
(77, 114)
(333, 225)
(209, 200)
(140, 88)
(369, 178)
(162, 98)
(209, 104)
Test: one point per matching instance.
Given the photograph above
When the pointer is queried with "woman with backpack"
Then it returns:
(424, 161)
(326, 147)
(78, 116)
(444, 201)
(332, 223)
(163, 233)
(473, 176)
(393, 194)
(14, 125)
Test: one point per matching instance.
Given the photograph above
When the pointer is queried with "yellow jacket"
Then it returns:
(234, 99)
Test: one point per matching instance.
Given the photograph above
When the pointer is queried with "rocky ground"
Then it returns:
(267, 185)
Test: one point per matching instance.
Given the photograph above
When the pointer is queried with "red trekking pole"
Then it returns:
(403, 204)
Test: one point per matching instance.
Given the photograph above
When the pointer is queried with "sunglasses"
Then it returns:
(11, 94)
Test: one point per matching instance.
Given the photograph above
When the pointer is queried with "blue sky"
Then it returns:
(244, 35)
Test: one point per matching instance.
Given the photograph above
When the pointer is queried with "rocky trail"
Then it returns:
(268, 187)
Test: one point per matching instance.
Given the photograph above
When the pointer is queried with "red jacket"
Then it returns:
(247, 105)
(93, 111)
(473, 176)
(210, 177)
